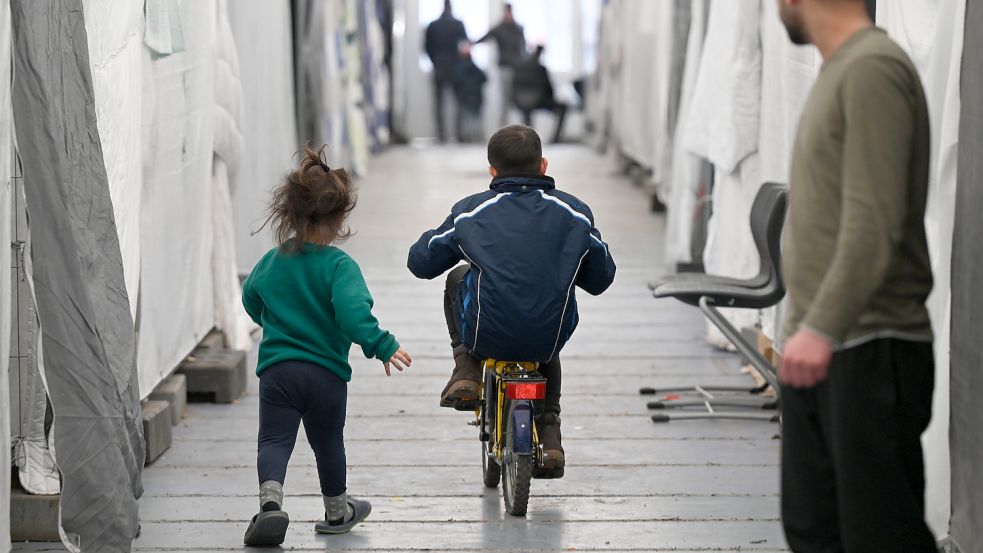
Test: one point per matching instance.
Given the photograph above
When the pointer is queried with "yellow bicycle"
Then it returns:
(505, 417)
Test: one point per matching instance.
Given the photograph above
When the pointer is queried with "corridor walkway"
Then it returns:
(630, 485)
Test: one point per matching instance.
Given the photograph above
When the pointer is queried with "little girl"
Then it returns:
(312, 302)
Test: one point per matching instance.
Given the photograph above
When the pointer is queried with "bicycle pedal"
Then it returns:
(467, 405)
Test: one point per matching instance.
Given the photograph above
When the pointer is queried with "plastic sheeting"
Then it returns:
(115, 54)
(967, 303)
(176, 286)
(268, 125)
(6, 281)
(76, 270)
(931, 31)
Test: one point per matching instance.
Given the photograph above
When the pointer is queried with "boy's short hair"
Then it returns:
(515, 149)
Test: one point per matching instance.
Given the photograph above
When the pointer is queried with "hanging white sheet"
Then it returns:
(176, 306)
(723, 126)
(114, 32)
(269, 125)
(230, 316)
(685, 178)
(931, 31)
(787, 74)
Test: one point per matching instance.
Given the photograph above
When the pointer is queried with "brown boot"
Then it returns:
(549, 436)
(465, 380)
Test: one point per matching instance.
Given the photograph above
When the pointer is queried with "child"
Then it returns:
(469, 83)
(526, 245)
(312, 302)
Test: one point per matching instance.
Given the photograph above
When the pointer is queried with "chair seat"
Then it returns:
(757, 281)
(722, 291)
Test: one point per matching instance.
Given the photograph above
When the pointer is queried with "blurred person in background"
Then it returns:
(511, 41)
(533, 90)
(469, 84)
(442, 41)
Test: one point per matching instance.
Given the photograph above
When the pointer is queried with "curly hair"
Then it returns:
(313, 201)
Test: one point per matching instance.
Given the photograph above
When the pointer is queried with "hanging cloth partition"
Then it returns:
(77, 275)
(269, 127)
(966, 409)
(931, 32)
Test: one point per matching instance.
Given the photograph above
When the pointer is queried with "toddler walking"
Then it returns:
(312, 302)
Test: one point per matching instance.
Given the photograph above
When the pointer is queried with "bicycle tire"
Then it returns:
(491, 471)
(516, 477)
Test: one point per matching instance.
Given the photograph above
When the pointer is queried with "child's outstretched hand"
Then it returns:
(400, 360)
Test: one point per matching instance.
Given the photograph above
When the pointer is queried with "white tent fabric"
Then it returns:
(176, 302)
(723, 126)
(646, 59)
(787, 74)
(685, 178)
(932, 33)
(114, 32)
(269, 125)
(6, 284)
(230, 316)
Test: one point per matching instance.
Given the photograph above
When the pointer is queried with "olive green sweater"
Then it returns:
(312, 306)
(855, 256)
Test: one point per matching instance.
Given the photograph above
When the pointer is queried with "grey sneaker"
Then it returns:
(360, 510)
(267, 528)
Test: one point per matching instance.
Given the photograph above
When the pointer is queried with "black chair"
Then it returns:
(709, 292)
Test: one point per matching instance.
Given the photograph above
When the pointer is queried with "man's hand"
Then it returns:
(400, 360)
(805, 359)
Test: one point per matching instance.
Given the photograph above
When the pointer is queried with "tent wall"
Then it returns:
(8, 270)
(967, 302)
(268, 124)
(931, 31)
(75, 267)
(176, 297)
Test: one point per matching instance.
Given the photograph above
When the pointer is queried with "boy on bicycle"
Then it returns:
(524, 245)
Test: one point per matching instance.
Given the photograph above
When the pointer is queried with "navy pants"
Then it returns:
(288, 393)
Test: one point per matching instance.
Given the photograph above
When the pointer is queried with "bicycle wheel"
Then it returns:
(491, 472)
(516, 476)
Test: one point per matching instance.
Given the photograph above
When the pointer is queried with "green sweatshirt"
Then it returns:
(855, 256)
(312, 305)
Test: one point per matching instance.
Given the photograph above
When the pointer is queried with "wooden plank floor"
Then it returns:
(631, 485)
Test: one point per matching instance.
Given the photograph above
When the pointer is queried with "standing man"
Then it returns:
(857, 367)
(511, 41)
(443, 38)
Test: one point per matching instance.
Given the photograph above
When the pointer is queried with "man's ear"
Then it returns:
(492, 171)
(543, 165)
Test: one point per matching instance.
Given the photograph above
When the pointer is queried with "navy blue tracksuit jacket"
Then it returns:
(528, 245)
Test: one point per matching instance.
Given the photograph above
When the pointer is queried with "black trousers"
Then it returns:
(551, 371)
(559, 110)
(441, 89)
(852, 470)
(292, 391)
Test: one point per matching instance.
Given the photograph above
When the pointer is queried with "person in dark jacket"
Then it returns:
(511, 41)
(469, 84)
(534, 90)
(525, 245)
(441, 43)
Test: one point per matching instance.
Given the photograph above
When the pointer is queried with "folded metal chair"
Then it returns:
(708, 292)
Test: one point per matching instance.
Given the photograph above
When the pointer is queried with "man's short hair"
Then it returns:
(515, 149)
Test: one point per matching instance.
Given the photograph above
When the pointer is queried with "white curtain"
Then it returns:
(931, 31)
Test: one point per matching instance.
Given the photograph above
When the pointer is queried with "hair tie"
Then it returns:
(324, 166)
